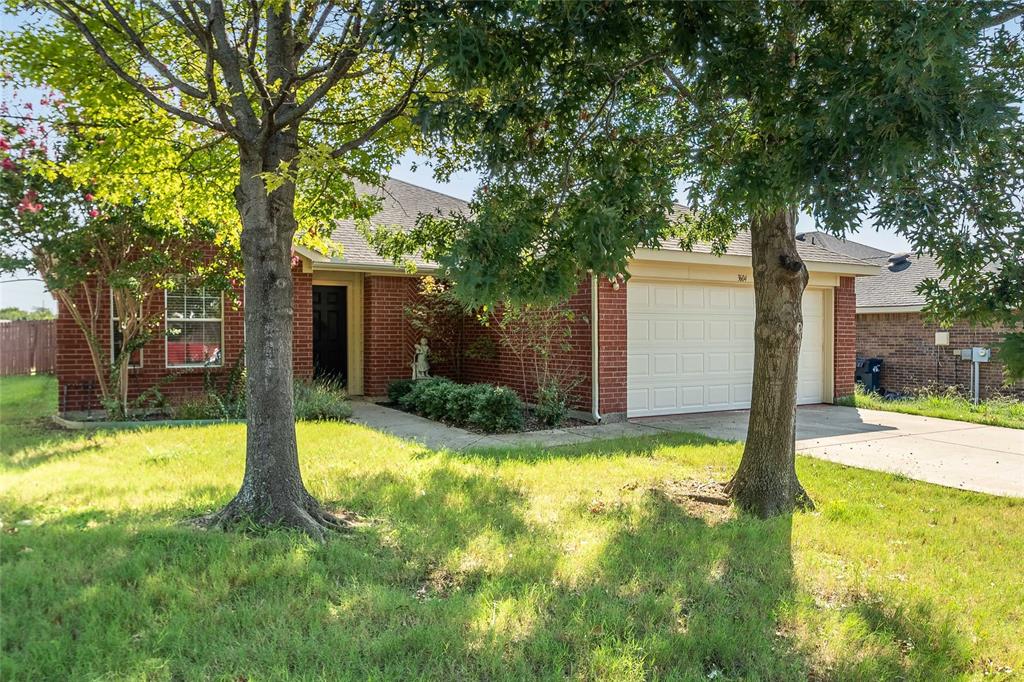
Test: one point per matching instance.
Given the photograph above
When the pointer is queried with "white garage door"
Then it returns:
(691, 347)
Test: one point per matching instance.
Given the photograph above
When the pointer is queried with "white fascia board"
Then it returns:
(680, 256)
(880, 309)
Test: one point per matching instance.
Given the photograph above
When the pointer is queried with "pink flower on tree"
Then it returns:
(89, 197)
(22, 130)
(8, 164)
(4, 144)
(93, 213)
(29, 204)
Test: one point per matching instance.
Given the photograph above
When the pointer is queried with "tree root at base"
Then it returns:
(308, 516)
(768, 501)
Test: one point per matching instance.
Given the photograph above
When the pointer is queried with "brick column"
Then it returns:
(388, 337)
(302, 323)
(611, 330)
(844, 347)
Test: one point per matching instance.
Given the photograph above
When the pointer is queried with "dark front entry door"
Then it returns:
(330, 333)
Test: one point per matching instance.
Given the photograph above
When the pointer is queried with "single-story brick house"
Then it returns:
(677, 336)
(890, 325)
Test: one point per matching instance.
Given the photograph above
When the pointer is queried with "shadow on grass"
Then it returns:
(453, 579)
(631, 446)
(30, 443)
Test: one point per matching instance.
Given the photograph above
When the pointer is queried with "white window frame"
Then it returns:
(113, 325)
(167, 320)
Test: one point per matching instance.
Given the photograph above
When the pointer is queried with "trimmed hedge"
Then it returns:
(484, 407)
(398, 389)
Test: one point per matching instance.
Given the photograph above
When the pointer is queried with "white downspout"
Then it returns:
(595, 392)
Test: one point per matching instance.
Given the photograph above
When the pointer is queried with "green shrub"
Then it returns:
(197, 407)
(497, 409)
(399, 389)
(552, 404)
(433, 402)
(480, 406)
(321, 400)
(463, 399)
(427, 397)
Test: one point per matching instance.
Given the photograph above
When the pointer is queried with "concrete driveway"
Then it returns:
(987, 459)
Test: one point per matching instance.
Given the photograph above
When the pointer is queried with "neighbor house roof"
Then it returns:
(895, 286)
(404, 202)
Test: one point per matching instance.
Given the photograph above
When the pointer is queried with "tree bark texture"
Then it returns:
(765, 482)
(272, 491)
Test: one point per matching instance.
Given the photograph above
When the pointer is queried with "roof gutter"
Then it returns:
(595, 388)
(881, 309)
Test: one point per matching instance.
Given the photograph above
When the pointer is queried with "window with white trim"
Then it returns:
(117, 338)
(195, 327)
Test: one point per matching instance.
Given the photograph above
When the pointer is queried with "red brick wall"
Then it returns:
(844, 347)
(912, 361)
(388, 338)
(611, 331)
(505, 369)
(76, 377)
(302, 324)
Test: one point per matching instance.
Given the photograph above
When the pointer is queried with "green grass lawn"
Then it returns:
(519, 564)
(996, 412)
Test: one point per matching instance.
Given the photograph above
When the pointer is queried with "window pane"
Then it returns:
(175, 305)
(190, 341)
(211, 308)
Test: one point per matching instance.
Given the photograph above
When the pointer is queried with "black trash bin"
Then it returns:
(869, 372)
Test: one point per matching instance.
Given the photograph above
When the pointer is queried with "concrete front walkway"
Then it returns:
(956, 454)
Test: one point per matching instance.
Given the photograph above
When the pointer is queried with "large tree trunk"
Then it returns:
(766, 483)
(272, 492)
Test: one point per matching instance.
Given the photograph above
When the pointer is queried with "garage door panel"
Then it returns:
(665, 365)
(638, 296)
(693, 363)
(718, 362)
(693, 297)
(691, 396)
(638, 331)
(638, 365)
(693, 330)
(719, 298)
(718, 395)
(691, 347)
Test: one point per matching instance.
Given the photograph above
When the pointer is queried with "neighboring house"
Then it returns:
(678, 336)
(890, 325)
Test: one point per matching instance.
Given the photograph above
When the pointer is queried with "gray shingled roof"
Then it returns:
(404, 202)
(843, 246)
(892, 287)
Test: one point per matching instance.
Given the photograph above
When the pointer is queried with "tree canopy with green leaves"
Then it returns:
(583, 116)
(100, 260)
(257, 116)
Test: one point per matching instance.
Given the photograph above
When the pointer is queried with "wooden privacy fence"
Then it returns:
(27, 347)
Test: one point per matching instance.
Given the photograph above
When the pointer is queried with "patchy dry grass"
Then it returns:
(585, 562)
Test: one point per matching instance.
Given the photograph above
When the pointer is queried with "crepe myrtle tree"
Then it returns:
(304, 96)
(586, 115)
(101, 261)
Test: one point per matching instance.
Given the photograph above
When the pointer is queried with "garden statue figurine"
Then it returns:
(420, 366)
